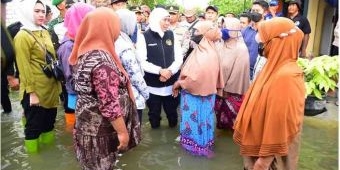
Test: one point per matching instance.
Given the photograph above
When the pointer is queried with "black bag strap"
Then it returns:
(29, 32)
(193, 24)
(47, 60)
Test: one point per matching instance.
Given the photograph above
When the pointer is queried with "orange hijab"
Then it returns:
(98, 31)
(200, 74)
(272, 112)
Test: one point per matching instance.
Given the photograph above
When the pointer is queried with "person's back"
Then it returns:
(106, 115)
(73, 18)
(278, 95)
(127, 54)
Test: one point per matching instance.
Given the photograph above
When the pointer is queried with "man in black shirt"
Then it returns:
(301, 22)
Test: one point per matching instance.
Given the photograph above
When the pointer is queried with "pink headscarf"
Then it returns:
(201, 74)
(74, 16)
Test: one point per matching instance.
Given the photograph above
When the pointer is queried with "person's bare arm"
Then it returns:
(122, 133)
(304, 45)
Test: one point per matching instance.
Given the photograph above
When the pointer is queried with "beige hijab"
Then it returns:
(201, 74)
(234, 60)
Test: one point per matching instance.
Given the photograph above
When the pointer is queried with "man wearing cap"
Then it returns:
(118, 4)
(146, 13)
(191, 20)
(140, 18)
(201, 17)
(273, 10)
(174, 17)
(211, 13)
(177, 28)
(300, 21)
(56, 26)
(101, 3)
(190, 16)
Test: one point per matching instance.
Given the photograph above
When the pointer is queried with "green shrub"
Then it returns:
(321, 74)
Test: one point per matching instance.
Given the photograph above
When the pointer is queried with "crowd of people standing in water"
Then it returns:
(218, 72)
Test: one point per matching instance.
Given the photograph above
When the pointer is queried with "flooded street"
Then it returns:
(159, 149)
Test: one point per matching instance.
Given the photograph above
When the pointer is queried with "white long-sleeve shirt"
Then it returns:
(149, 67)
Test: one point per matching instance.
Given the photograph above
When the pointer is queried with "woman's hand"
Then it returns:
(34, 100)
(175, 89)
(162, 79)
(166, 73)
(13, 83)
(122, 133)
(123, 141)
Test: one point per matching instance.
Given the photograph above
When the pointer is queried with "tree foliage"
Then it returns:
(233, 6)
(224, 6)
(150, 3)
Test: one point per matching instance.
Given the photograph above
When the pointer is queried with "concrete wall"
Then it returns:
(316, 14)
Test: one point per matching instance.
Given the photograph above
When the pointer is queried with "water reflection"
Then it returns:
(159, 150)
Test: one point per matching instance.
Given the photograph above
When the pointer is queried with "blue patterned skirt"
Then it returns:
(197, 123)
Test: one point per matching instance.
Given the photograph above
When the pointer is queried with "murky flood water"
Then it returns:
(159, 150)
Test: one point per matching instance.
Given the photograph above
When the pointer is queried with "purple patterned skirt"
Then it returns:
(226, 110)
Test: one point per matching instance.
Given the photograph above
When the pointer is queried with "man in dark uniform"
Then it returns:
(300, 21)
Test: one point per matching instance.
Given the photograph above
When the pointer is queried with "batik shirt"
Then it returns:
(99, 85)
(132, 65)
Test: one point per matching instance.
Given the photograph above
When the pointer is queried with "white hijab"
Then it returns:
(128, 21)
(155, 18)
(25, 11)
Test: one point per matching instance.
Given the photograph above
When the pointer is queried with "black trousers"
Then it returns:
(5, 101)
(169, 104)
(38, 119)
(334, 50)
(140, 114)
(65, 97)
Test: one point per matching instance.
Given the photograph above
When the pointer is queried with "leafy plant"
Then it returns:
(236, 7)
(321, 74)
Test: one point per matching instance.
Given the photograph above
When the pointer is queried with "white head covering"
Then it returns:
(128, 21)
(25, 11)
(156, 16)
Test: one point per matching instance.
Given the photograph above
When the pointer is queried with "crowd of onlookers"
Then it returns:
(230, 72)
